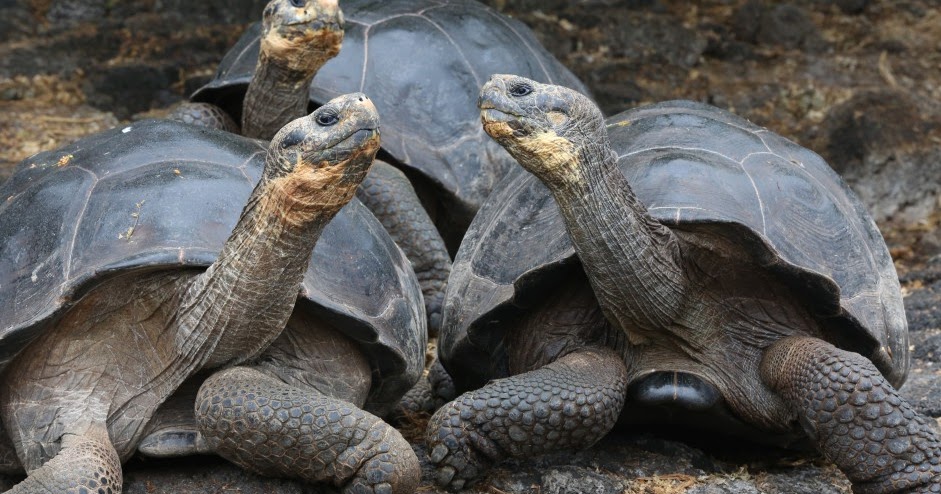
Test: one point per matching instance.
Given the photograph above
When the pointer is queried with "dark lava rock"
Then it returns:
(15, 21)
(880, 142)
(64, 13)
(573, 480)
(923, 391)
(783, 25)
(924, 308)
(859, 127)
(923, 305)
(217, 11)
(852, 6)
(126, 89)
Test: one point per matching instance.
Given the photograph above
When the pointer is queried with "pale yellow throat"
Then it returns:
(305, 53)
(553, 157)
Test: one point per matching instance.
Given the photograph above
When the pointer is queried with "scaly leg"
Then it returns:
(569, 403)
(857, 419)
(204, 115)
(86, 463)
(266, 426)
(430, 393)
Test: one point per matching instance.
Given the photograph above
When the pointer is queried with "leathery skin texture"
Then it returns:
(857, 419)
(86, 464)
(429, 393)
(569, 403)
(268, 427)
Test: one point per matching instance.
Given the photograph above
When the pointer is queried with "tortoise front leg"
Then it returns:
(430, 393)
(387, 192)
(86, 463)
(264, 425)
(569, 403)
(857, 419)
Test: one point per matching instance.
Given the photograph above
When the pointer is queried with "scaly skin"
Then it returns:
(429, 393)
(570, 403)
(73, 439)
(387, 192)
(857, 419)
(295, 43)
(266, 426)
(204, 115)
(86, 463)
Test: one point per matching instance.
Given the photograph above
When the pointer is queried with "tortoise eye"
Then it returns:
(327, 118)
(298, 3)
(520, 89)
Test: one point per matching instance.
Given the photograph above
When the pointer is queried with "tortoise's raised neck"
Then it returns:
(279, 90)
(241, 303)
(626, 253)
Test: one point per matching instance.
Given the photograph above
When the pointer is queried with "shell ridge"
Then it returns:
(67, 266)
(440, 5)
(237, 59)
(482, 233)
(362, 77)
(683, 148)
(761, 205)
(838, 204)
(455, 45)
(243, 167)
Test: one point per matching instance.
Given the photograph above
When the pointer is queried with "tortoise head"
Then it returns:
(319, 160)
(302, 35)
(545, 127)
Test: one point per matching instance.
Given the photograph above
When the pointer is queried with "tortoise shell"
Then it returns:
(690, 164)
(422, 63)
(165, 195)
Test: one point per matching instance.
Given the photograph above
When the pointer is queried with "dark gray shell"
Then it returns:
(422, 62)
(689, 164)
(65, 217)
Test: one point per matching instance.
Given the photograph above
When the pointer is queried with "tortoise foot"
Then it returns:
(86, 463)
(570, 403)
(857, 419)
(266, 426)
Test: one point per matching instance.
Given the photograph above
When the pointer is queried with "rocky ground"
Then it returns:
(858, 81)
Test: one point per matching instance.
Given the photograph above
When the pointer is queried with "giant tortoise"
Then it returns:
(422, 62)
(293, 41)
(127, 272)
(676, 263)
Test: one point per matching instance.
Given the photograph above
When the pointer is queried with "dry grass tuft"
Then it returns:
(676, 483)
(44, 112)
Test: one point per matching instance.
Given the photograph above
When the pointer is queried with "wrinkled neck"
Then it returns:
(276, 95)
(632, 260)
(243, 301)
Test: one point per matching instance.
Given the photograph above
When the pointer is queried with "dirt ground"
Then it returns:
(858, 81)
